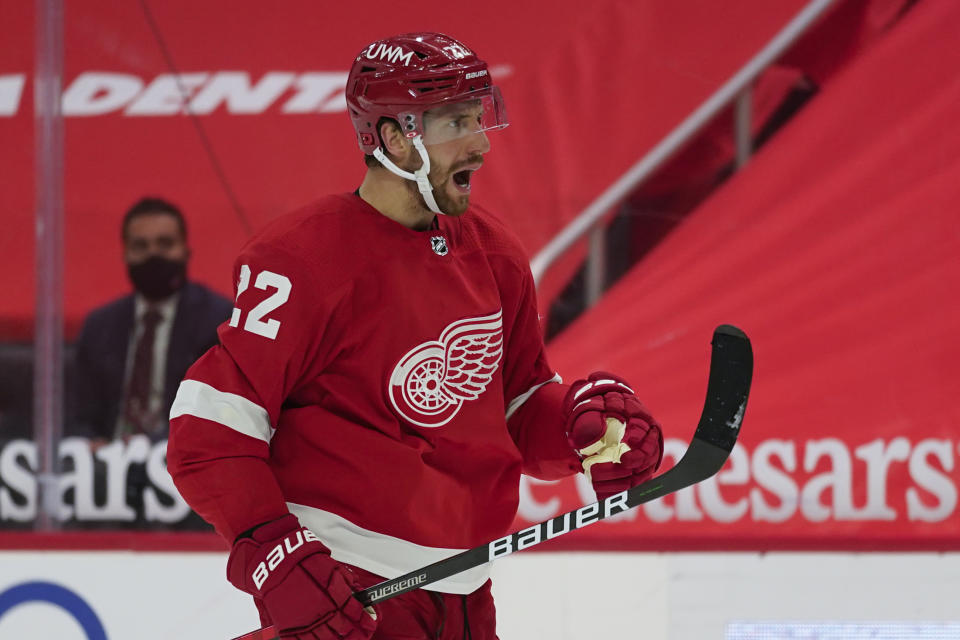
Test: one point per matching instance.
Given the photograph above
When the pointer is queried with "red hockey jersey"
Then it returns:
(385, 385)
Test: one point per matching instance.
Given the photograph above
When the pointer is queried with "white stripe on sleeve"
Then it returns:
(197, 399)
(517, 402)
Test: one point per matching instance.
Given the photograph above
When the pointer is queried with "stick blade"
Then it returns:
(728, 387)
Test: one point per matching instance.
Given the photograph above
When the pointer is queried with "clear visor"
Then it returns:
(453, 120)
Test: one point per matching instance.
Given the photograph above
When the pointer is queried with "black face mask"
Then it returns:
(157, 277)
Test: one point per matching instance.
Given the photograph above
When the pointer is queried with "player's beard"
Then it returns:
(450, 205)
(442, 179)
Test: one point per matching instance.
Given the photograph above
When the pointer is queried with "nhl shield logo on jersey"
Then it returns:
(431, 381)
(439, 244)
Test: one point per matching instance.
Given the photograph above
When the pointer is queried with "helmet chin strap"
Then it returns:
(419, 176)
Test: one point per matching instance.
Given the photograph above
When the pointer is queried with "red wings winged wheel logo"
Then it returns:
(431, 382)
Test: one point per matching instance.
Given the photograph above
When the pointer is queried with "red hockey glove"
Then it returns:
(619, 442)
(306, 593)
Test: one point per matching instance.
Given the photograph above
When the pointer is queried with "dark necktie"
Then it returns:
(137, 411)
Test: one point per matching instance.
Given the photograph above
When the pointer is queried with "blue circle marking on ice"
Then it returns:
(60, 596)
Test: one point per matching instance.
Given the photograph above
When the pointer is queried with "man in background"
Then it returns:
(132, 352)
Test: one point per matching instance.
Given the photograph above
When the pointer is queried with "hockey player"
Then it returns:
(383, 381)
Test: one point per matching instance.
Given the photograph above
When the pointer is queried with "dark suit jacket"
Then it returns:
(101, 355)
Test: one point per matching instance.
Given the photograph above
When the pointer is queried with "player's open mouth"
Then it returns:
(461, 180)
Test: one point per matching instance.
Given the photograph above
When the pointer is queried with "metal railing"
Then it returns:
(48, 332)
(736, 88)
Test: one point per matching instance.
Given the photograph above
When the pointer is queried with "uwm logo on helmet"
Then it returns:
(390, 53)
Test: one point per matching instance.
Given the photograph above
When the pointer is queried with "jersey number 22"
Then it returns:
(255, 322)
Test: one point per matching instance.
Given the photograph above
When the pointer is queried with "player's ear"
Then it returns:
(397, 145)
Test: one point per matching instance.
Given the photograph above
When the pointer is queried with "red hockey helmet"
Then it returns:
(406, 75)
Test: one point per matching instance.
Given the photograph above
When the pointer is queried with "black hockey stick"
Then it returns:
(731, 370)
